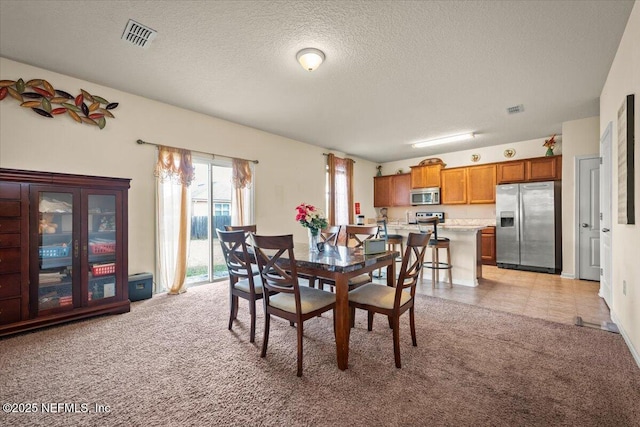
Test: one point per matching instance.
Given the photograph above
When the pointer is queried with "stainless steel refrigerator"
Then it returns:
(528, 226)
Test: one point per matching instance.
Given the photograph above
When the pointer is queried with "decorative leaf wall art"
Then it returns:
(42, 98)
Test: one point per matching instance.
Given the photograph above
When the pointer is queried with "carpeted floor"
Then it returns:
(172, 362)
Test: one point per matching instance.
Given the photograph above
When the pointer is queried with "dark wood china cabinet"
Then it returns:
(63, 248)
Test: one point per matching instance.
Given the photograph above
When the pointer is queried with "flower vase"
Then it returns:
(549, 152)
(314, 235)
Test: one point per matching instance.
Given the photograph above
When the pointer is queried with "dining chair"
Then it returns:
(283, 296)
(329, 235)
(244, 282)
(356, 236)
(393, 301)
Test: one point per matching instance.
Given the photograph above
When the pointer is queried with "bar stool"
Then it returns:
(435, 244)
(392, 241)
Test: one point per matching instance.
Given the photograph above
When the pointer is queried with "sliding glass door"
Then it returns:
(211, 198)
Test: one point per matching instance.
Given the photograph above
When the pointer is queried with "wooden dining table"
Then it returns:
(340, 264)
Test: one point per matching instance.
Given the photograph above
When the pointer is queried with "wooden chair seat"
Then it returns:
(245, 286)
(311, 299)
(381, 296)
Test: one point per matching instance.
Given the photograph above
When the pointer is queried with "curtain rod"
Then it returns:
(141, 142)
(326, 154)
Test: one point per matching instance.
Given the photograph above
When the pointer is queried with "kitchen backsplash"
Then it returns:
(452, 212)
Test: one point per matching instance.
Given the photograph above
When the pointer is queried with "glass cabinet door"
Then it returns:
(102, 234)
(56, 246)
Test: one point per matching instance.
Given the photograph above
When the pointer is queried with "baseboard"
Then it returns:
(627, 340)
(567, 275)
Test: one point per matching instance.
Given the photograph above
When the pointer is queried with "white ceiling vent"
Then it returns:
(137, 34)
(515, 109)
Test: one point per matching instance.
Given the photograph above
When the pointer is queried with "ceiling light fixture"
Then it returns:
(444, 140)
(310, 58)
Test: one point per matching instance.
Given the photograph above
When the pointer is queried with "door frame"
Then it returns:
(606, 135)
(576, 228)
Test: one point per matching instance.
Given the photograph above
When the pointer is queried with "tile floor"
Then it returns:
(545, 296)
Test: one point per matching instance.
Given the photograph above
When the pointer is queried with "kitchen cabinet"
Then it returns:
(481, 181)
(66, 248)
(454, 186)
(489, 246)
(425, 176)
(544, 168)
(548, 168)
(391, 190)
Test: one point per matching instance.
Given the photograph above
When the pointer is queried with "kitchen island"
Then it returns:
(466, 256)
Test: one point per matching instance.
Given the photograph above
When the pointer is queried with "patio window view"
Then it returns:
(210, 209)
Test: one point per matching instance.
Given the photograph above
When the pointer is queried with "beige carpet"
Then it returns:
(172, 362)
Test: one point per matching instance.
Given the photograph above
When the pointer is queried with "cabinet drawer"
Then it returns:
(9, 208)
(10, 240)
(10, 260)
(9, 225)
(9, 311)
(9, 190)
(9, 285)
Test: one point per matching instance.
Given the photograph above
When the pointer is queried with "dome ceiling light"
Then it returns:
(310, 58)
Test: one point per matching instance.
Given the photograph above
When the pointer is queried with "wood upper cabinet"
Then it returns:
(548, 168)
(391, 190)
(425, 176)
(454, 186)
(544, 168)
(514, 171)
(382, 191)
(481, 183)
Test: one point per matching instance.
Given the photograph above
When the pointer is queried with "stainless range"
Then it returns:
(439, 215)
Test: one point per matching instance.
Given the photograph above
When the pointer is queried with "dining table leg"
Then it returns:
(343, 325)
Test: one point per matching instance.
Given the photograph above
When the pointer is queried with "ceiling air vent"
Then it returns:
(137, 34)
(515, 109)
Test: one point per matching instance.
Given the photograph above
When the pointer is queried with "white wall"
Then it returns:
(579, 138)
(623, 80)
(289, 172)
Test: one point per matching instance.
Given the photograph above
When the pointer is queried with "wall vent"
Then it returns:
(515, 109)
(138, 34)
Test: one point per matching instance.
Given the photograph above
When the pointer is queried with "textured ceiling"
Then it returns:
(395, 72)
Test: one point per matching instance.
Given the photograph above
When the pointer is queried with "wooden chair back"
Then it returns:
(360, 233)
(236, 255)
(246, 228)
(330, 234)
(268, 251)
(412, 261)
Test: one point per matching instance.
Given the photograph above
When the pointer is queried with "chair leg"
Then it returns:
(299, 373)
(396, 340)
(370, 320)
(449, 262)
(434, 271)
(265, 339)
(352, 316)
(412, 324)
(233, 308)
(252, 312)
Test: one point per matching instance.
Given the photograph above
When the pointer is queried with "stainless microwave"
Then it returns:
(425, 196)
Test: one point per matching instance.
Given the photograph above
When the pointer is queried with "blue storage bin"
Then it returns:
(140, 286)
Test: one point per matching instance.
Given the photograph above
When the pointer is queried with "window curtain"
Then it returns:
(174, 172)
(242, 176)
(340, 192)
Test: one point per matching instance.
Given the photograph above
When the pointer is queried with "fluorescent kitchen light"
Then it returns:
(444, 140)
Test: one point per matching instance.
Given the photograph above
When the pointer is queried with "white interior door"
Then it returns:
(588, 218)
(605, 215)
